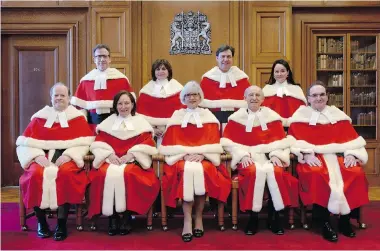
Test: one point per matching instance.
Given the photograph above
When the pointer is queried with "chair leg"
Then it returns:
(149, 220)
(164, 223)
(234, 208)
(291, 218)
(79, 217)
(221, 216)
(23, 225)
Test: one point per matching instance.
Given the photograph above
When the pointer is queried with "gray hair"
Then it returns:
(59, 84)
(191, 87)
(251, 88)
(315, 83)
(101, 46)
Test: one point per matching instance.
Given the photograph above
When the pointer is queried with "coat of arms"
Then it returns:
(190, 33)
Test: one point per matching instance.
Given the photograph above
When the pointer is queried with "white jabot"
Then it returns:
(315, 116)
(62, 118)
(282, 89)
(101, 81)
(251, 119)
(225, 77)
(123, 124)
(192, 113)
(160, 87)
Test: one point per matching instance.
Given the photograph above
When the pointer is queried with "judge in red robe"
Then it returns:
(260, 151)
(51, 152)
(122, 180)
(330, 155)
(224, 86)
(159, 98)
(282, 94)
(96, 90)
(192, 154)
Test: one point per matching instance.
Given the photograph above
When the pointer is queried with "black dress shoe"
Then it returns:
(345, 227)
(198, 233)
(125, 228)
(328, 233)
(113, 225)
(61, 230)
(277, 228)
(187, 237)
(252, 225)
(43, 230)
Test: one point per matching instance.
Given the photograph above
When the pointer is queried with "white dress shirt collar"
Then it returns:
(192, 113)
(251, 119)
(123, 124)
(57, 116)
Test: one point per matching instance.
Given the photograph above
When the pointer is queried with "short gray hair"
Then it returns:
(59, 84)
(191, 87)
(250, 89)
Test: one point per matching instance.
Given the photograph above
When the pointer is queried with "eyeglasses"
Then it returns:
(195, 95)
(322, 95)
(100, 57)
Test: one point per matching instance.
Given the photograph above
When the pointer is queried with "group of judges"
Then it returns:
(191, 125)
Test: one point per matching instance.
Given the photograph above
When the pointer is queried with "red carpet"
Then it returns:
(13, 238)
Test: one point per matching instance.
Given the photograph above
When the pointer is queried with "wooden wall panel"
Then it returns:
(260, 73)
(157, 19)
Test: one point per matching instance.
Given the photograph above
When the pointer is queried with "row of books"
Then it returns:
(325, 62)
(330, 45)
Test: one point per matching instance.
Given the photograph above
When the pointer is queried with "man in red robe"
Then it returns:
(330, 155)
(224, 86)
(260, 150)
(97, 89)
(51, 151)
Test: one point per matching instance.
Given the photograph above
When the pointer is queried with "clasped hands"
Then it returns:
(43, 161)
(122, 160)
(312, 160)
(194, 157)
(247, 161)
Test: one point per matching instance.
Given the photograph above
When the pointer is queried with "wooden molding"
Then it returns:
(257, 74)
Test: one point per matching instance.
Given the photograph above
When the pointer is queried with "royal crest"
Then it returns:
(190, 33)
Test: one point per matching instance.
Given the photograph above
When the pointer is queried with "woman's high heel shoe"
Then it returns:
(187, 237)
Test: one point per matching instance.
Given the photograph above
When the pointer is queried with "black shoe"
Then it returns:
(113, 225)
(43, 230)
(125, 226)
(198, 233)
(252, 225)
(187, 237)
(61, 230)
(345, 227)
(277, 227)
(328, 233)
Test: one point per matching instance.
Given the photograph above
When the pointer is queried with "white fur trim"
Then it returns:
(258, 191)
(205, 115)
(145, 160)
(172, 159)
(140, 126)
(89, 105)
(294, 91)
(101, 151)
(360, 154)
(303, 115)
(49, 188)
(241, 116)
(223, 103)
(26, 155)
(54, 144)
(215, 73)
(112, 73)
(77, 153)
(143, 154)
(173, 87)
(178, 149)
(155, 121)
(237, 154)
(193, 180)
(282, 154)
(114, 190)
(337, 202)
(44, 113)
(274, 190)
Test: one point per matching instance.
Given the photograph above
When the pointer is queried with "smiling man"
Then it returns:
(97, 89)
(224, 85)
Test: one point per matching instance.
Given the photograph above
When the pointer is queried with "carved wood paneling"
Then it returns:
(260, 74)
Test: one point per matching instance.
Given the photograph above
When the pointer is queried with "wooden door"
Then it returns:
(31, 64)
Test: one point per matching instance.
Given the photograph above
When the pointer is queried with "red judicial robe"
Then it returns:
(156, 108)
(334, 186)
(133, 186)
(184, 179)
(241, 142)
(53, 186)
(224, 98)
(284, 99)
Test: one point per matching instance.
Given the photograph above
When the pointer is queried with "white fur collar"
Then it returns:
(112, 73)
(204, 114)
(288, 89)
(241, 116)
(71, 113)
(171, 88)
(303, 115)
(215, 73)
(139, 123)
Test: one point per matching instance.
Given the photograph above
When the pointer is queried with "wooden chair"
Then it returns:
(159, 161)
(235, 191)
(149, 221)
